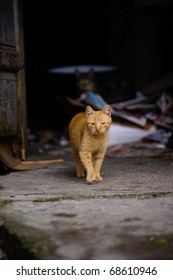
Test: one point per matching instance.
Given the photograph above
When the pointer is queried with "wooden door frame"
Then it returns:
(12, 60)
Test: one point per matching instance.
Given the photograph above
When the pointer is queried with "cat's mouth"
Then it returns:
(98, 132)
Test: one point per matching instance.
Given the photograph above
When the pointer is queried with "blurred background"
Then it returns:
(135, 35)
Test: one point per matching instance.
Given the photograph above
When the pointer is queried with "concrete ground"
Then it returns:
(54, 215)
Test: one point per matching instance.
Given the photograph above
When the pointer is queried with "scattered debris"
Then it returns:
(146, 115)
(42, 161)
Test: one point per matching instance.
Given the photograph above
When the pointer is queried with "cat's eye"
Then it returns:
(93, 123)
(103, 123)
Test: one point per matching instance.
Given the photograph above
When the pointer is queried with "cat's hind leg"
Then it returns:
(80, 171)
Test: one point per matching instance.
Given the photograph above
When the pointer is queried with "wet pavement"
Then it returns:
(54, 215)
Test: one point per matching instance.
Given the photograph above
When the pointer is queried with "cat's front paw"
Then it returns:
(90, 178)
(98, 178)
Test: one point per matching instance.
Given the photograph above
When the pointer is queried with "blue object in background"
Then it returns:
(95, 100)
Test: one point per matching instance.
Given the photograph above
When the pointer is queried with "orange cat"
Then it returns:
(89, 132)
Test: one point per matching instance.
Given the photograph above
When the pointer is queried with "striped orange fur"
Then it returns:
(89, 134)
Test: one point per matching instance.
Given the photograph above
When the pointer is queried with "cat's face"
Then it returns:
(86, 85)
(85, 82)
(98, 121)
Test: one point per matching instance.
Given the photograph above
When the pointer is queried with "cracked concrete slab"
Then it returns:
(59, 216)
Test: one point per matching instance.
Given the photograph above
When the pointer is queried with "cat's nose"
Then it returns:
(98, 129)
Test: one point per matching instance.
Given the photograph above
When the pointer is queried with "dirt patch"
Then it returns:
(11, 247)
(147, 247)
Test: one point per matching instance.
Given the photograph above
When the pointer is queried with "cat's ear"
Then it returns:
(91, 74)
(77, 74)
(89, 111)
(107, 110)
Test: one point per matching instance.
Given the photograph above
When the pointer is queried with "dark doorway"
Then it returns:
(135, 35)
